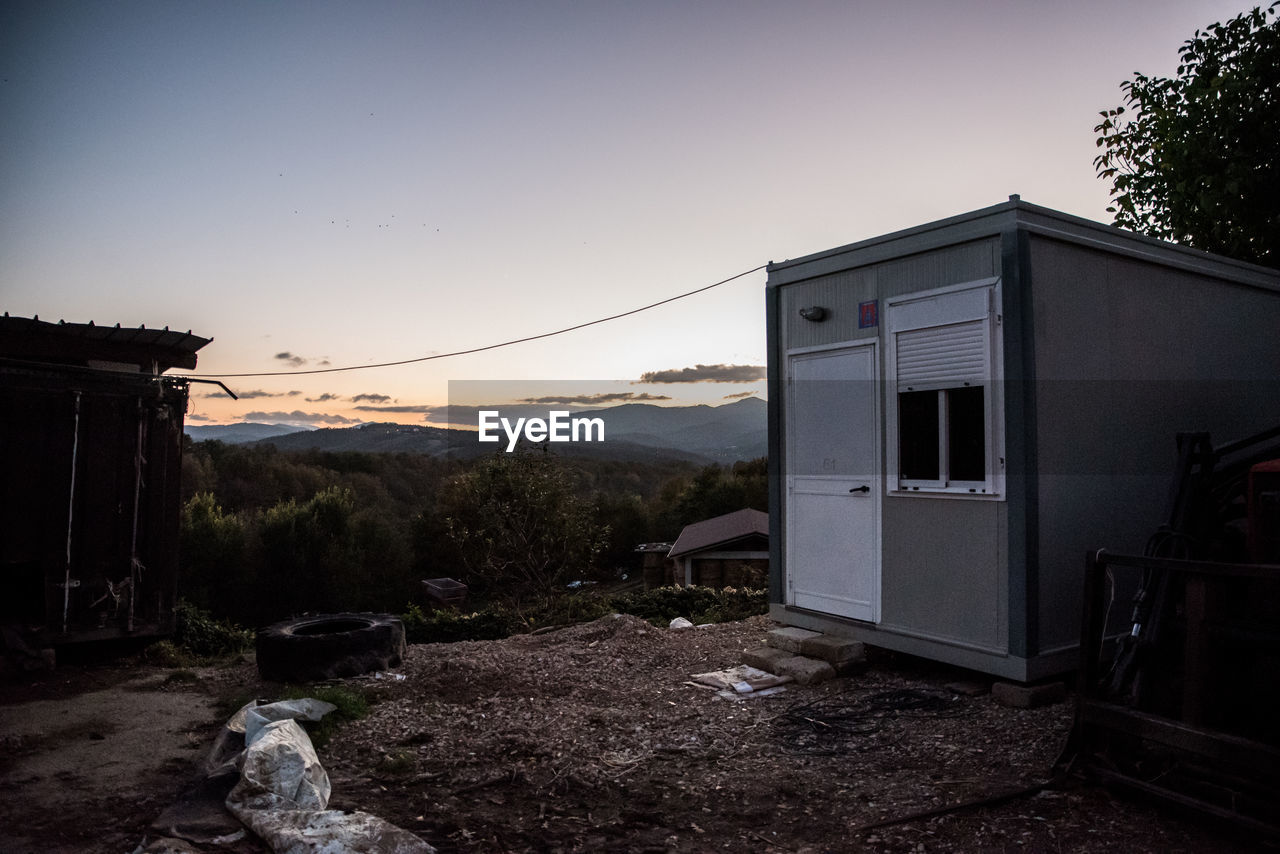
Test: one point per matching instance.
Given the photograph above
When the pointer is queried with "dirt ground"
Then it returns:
(589, 738)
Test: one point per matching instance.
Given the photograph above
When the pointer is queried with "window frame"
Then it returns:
(939, 308)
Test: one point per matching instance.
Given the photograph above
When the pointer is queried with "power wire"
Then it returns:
(487, 346)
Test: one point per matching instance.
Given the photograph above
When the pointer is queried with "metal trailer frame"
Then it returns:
(1179, 748)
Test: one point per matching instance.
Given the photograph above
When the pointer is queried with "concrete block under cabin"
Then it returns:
(836, 651)
(766, 657)
(961, 410)
(791, 638)
(1028, 696)
(805, 671)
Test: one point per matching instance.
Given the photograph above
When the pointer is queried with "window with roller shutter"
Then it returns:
(944, 405)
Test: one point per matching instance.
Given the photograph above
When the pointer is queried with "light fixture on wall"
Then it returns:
(814, 313)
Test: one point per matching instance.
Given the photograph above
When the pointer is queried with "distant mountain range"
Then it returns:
(632, 431)
(236, 434)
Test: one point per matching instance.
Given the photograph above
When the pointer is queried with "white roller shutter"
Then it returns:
(943, 355)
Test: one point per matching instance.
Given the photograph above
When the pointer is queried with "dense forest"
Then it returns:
(267, 534)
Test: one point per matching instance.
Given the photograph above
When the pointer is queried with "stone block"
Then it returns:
(1028, 696)
(969, 687)
(805, 671)
(835, 651)
(765, 658)
(790, 638)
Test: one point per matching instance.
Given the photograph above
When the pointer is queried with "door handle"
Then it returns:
(863, 488)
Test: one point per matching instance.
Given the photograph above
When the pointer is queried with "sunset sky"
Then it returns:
(318, 185)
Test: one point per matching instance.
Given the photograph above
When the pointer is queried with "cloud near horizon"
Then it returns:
(401, 408)
(595, 399)
(371, 398)
(740, 395)
(706, 374)
(299, 416)
(324, 398)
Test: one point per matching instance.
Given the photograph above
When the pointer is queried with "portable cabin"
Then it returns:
(90, 448)
(960, 411)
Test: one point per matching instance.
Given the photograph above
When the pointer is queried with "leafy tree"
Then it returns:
(309, 551)
(628, 520)
(520, 523)
(1196, 158)
(214, 552)
(714, 491)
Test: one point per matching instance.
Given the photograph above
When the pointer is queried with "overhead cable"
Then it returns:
(487, 346)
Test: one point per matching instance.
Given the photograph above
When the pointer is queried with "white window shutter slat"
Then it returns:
(943, 354)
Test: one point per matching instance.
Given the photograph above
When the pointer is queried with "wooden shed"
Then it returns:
(960, 411)
(725, 551)
(90, 447)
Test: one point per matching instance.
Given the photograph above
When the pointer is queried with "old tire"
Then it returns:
(329, 646)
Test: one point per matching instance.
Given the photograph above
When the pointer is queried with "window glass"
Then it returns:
(966, 443)
(918, 432)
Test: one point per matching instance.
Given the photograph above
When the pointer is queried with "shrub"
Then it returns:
(197, 633)
(659, 606)
(565, 609)
(734, 604)
(699, 604)
(447, 626)
(214, 554)
(166, 653)
(520, 524)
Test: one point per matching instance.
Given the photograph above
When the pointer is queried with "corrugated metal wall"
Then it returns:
(119, 518)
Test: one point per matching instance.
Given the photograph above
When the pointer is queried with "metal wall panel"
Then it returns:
(1127, 354)
(950, 265)
(841, 293)
(944, 573)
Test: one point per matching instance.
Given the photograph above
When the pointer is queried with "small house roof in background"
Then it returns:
(86, 344)
(721, 531)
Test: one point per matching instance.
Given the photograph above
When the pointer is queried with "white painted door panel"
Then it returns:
(833, 482)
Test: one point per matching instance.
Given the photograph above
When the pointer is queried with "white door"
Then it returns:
(833, 482)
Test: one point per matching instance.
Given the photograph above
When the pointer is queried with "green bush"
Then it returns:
(214, 555)
(698, 604)
(564, 609)
(521, 524)
(733, 604)
(197, 633)
(447, 626)
(166, 653)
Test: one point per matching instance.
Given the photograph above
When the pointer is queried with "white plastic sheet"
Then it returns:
(283, 790)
